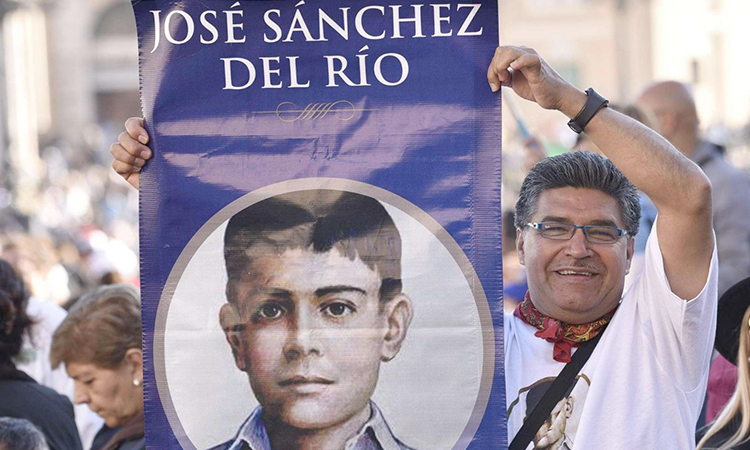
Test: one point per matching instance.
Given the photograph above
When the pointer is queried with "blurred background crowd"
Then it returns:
(69, 80)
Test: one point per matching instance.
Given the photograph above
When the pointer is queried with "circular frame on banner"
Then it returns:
(433, 393)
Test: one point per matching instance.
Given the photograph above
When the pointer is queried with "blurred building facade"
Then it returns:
(621, 46)
(68, 80)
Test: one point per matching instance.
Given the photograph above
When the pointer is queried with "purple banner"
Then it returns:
(321, 225)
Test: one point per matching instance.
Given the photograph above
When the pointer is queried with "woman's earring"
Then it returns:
(136, 382)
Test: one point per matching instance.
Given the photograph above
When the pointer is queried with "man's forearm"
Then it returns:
(669, 178)
(676, 185)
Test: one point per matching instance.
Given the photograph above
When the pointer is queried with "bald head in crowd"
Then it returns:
(672, 110)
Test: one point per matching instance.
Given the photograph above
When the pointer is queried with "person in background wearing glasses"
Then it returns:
(576, 218)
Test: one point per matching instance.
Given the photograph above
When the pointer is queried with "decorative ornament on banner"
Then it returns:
(320, 225)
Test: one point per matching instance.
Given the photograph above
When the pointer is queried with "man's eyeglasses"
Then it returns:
(595, 234)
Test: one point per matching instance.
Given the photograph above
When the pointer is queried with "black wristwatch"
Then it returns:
(594, 103)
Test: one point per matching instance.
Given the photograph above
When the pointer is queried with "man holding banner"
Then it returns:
(655, 352)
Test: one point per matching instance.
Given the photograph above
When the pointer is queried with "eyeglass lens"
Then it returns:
(594, 233)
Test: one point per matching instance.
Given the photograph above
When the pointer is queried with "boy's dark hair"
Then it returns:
(320, 220)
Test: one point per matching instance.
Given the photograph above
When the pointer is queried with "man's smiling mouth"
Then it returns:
(575, 273)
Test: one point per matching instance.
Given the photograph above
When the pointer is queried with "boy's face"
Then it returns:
(313, 335)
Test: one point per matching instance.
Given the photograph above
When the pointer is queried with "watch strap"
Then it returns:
(594, 103)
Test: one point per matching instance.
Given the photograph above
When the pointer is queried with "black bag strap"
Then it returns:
(553, 395)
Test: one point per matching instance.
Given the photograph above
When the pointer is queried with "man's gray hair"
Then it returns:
(20, 434)
(579, 170)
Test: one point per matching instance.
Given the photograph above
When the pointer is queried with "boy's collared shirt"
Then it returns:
(375, 434)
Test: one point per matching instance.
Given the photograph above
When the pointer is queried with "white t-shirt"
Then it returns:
(643, 386)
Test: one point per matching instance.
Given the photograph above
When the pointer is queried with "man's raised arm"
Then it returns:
(678, 188)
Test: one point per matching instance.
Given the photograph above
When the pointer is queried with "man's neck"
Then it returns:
(575, 317)
(284, 437)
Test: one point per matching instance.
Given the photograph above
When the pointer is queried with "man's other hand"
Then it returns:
(130, 151)
(524, 71)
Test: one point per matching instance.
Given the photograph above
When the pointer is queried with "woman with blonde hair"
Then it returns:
(100, 344)
(731, 429)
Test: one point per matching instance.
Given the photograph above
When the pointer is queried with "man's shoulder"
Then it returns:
(510, 321)
(515, 328)
(507, 319)
(508, 327)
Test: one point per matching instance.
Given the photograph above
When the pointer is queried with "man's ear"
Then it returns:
(134, 360)
(398, 313)
(231, 323)
(519, 246)
(630, 253)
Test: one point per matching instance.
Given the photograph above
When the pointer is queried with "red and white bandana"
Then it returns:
(564, 336)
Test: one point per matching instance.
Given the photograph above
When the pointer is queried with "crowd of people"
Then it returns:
(99, 341)
(626, 308)
(79, 233)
